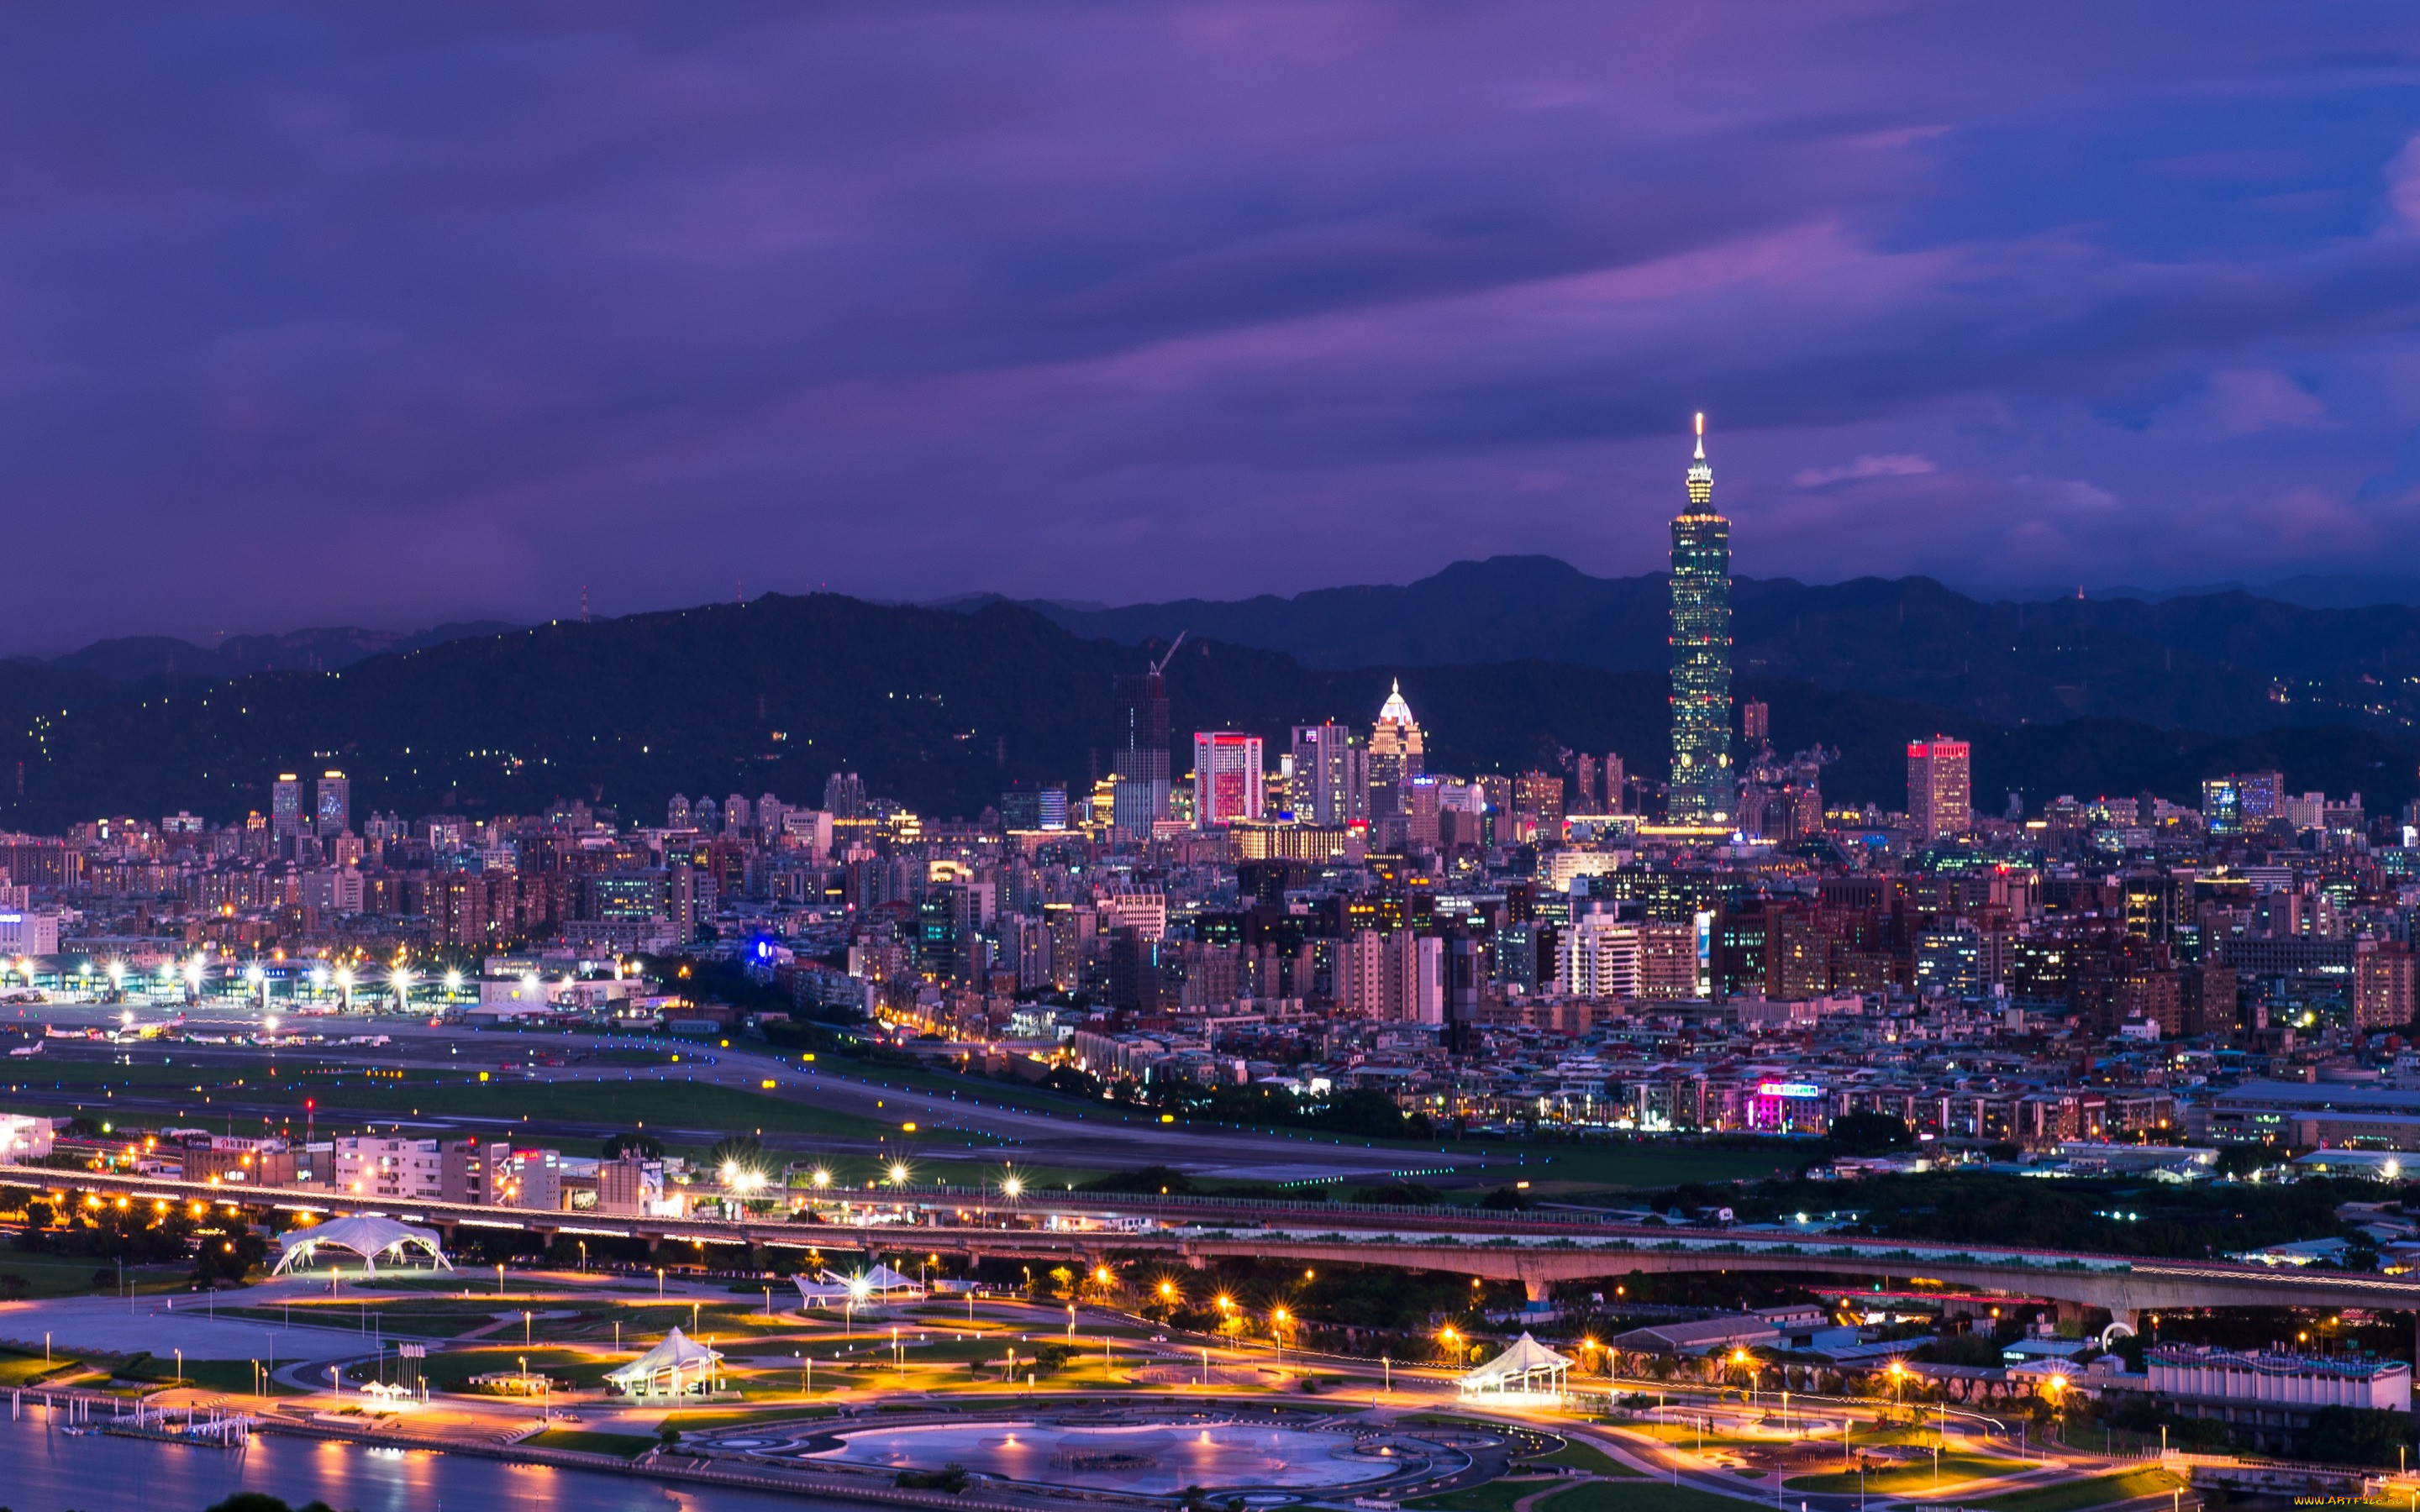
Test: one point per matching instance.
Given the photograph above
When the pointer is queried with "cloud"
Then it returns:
(369, 313)
(1891, 465)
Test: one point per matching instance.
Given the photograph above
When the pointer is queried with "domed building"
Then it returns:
(1395, 745)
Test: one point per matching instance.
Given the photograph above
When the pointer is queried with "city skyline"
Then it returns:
(328, 320)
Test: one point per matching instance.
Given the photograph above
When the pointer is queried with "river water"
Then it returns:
(42, 1470)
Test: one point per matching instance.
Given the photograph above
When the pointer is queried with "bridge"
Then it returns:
(1536, 1249)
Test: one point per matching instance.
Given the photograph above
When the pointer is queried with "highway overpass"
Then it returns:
(1538, 1250)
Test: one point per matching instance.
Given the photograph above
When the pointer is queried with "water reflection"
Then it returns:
(1147, 1457)
(101, 1474)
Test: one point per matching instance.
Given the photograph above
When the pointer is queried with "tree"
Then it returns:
(2358, 1435)
(230, 1258)
(1861, 1133)
(736, 1153)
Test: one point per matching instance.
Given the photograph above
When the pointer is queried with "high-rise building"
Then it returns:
(1332, 775)
(1540, 793)
(1940, 788)
(1141, 747)
(335, 797)
(2382, 974)
(2243, 803)
(286, 816)
(845, 795)
(1756, 724)
(1395, 754)
(1700, 791)
(1226, 778)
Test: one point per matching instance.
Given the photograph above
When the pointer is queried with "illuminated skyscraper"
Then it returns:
(286, 817)
(335, 797)
(1395, 754)
(1701, 791)
(1226, 778)
(1332, 776)
(1940, 787)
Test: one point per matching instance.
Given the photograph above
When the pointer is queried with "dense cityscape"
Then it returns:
(1270, 971)
(1549, 756)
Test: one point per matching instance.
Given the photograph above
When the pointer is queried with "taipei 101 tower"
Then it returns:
(1701, 791)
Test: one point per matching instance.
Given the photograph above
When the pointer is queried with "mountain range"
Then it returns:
(945, 708)
(2225, 662)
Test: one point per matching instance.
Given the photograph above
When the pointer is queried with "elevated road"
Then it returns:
(1535, 1249)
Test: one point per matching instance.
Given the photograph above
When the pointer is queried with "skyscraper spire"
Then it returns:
(1701, 473)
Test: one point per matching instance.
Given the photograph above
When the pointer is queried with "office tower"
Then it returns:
(1332, 775)
(1940, 788)
(1584, 785)
(1052, 809)
(335, 797)
(1421, 809)
(1140, 746)
(1541, 793)
(1395, 756)
(1226, 778)
(2243, 803)
(1617, 784)
(845, 795)
(1700, 791)
(285, 818)
(1755, 725)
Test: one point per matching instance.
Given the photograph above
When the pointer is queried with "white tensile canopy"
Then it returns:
(678, 1357)
(369, 1238)
(1528, 1369)
(881, 1284)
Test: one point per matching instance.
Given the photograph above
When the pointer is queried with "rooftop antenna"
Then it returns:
(1161, 665)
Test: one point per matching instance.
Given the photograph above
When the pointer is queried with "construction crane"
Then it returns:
(1159, 667)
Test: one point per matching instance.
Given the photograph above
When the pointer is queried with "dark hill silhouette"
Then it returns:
(945, 709)
(2230, 661)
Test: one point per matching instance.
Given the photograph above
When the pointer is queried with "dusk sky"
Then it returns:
(385, 314)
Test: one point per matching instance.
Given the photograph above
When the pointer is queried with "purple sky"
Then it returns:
(322, 314)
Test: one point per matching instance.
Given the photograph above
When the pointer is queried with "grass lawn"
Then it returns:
(2096, 1490)
(73, 1276)
(1587, 1457)
(1495, 1496)
(453, 1370)
(223, 1375)
(1640, 1496)
(659, 1104)
(25, 1369)
(620, 1446)
(1909, 1476)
